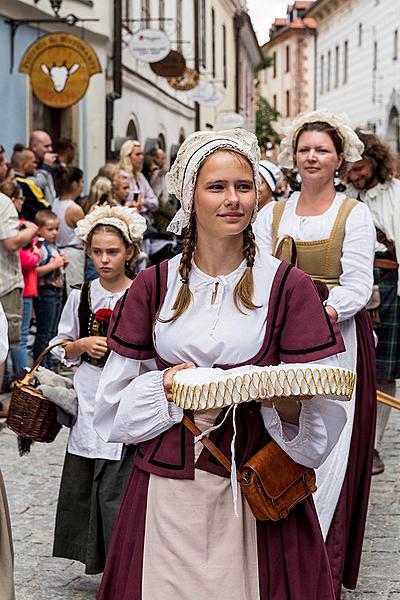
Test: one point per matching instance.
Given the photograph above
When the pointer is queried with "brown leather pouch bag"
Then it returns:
(271, 481)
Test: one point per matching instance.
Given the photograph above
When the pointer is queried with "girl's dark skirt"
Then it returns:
(90, 495)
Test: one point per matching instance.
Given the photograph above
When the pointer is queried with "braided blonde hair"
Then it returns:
(244, 289)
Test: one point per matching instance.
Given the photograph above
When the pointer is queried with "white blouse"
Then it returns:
(83, 439)
(131, 406)
(383, 201)
(356, 279)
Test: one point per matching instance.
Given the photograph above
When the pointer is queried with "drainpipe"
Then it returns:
(117, 77)
(238, 21)
(196, 58)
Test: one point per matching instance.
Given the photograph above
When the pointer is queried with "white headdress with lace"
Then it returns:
(127, 220)
(352, 145)
(181, 179)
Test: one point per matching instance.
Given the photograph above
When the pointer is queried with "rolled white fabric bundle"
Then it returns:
(202, 388)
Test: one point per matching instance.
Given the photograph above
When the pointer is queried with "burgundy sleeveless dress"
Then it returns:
(291, 554)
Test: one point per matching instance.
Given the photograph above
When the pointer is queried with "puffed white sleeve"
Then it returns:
(357, 261)
(321, 422)
(3, 336)
(68, 328)
(262, 228)
(131, 405)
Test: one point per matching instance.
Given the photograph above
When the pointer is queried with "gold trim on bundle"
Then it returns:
(267, 382)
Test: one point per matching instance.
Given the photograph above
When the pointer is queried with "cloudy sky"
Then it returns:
(263, 13)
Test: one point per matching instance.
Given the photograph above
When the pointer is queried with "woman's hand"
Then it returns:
(169, 375)
(95, 346)
(288, 409)
(331, 312)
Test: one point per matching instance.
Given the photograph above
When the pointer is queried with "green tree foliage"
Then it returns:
(264, 64)
(265, 116)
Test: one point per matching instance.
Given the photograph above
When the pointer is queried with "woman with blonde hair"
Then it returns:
(141, 196)
(177, 535)
(100, 192)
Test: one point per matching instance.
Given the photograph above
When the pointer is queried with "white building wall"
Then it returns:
(369, 92)
(224, 11)
(148, 99)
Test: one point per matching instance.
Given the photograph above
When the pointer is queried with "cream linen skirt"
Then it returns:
(195, 546)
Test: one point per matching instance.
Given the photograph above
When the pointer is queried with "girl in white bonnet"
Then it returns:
(95, 473)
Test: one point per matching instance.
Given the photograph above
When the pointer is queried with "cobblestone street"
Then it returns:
(32, 485)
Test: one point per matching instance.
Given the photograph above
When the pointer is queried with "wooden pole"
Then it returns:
(388, 400)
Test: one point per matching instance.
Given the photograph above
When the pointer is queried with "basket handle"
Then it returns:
(29, 376)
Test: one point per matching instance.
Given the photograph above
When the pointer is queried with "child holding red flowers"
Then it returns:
(95, 472)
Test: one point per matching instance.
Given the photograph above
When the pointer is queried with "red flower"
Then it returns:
(103, 314)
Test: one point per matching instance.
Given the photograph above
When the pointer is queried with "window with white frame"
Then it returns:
(321, 74)
(345, 61)
(375, 57)
(328, 73)
(337, 56)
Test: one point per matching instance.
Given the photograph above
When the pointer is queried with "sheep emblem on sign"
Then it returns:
(59, 66)
(59, 75)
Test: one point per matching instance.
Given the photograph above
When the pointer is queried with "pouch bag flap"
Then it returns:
(276, 471)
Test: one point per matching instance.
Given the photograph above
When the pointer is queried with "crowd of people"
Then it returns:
(42, 201)
(278, 264)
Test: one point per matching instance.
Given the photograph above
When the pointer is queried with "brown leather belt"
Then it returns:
(385, 263)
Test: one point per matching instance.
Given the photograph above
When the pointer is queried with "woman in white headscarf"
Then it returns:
(6, 546)
(334, 237)
(219, 303)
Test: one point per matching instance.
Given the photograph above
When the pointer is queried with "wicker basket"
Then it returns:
(30, 414)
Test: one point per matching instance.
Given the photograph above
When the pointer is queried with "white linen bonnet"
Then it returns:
(352, 145)
(127, 220)
(181, 178)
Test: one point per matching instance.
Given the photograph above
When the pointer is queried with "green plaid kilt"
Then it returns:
(388, 349)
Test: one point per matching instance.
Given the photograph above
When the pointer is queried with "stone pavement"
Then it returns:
(32, 485)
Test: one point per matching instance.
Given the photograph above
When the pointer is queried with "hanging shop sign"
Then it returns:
(185, 82)
(230, 120)
(215, 99)
(206, 94)
(150, 45)
(59, 66)
(172, 65)
(201, 91)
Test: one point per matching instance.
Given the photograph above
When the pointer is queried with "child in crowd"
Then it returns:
(51, 280)
(69, 185)
(29, 257)
(95, 472)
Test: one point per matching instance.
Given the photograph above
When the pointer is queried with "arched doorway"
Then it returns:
(131, 130)
(393, 131)
(161, 141)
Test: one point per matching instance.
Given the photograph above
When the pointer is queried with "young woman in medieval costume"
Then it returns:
(219, 303)
(95, 473)
(334, 237)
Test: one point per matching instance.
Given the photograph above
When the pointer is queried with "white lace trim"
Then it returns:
(352, 145)
(181, 179)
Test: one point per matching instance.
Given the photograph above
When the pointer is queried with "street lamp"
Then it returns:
(56, 5)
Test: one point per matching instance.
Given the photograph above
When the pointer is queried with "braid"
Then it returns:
(184, 295)
(244, 289)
